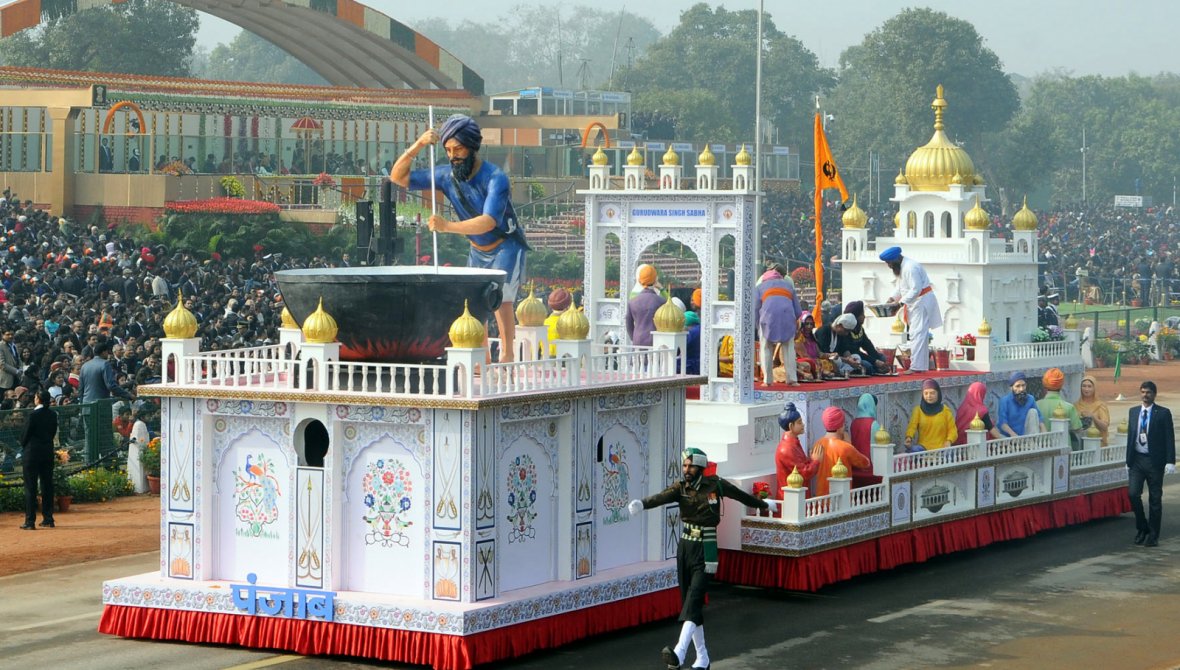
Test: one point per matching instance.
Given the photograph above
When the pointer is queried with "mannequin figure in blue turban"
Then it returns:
(479, 193)
(919, 307)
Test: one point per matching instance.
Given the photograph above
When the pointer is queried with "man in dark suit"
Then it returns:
(11, 367)
(1151, 453)
(37, 446)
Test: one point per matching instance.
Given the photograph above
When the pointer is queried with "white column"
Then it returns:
(178, 349)
(838, 489)
(532, 342)
(673, 345)
(883, 460)
(793, 500)
(461, 365)
(322, 354)
(580, 351)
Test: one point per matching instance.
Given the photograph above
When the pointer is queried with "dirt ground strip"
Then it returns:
(132, 525)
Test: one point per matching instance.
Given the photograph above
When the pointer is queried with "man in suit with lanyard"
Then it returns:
(37, 454)
(11, 368)
(1151, 453)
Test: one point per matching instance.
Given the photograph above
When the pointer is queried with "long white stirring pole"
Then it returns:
(433, 233)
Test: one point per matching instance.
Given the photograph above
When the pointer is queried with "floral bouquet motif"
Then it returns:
(257, 492)
(522, 495)
(387, 487)
(616, 476)
(967, 340)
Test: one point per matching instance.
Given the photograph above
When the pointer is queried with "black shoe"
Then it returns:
(47, 524)
(1140, 537)
(28, 526)
(1152, 541)
(670, 658)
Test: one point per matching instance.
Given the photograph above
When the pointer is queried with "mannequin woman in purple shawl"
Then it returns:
(479, 193)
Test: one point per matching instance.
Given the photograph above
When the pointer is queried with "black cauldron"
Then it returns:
(398, 314)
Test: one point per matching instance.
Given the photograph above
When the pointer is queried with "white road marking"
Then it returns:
(76, 617)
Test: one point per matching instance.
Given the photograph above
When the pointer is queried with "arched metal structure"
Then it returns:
(345, 42)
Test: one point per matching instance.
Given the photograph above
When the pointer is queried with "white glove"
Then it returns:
(774, 504)
(1170, 469)
(636, 506)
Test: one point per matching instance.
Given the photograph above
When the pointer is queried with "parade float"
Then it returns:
(457, 512)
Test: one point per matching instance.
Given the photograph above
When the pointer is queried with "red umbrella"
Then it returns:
(305, 126)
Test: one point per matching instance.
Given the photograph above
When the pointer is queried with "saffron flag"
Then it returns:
(826, 176)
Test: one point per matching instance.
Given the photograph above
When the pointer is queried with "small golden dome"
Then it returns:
(1025, 219)
(897, 219)
(1093, 431)
(180, 323)
(467, 332)
(795, 480)
(933, 166)
(985, 328)
(1071, 322)
(669, 318)
(706, 157)
(319, 327)
(573, 324)
(882, 436)
(898, 326)
(977, 424)
(743, 157)
(957, 179)
(900, 178)
(1123, 427)
(288, 321)
(855, 216)
(977, 218)
(635, 157)
(979, 180)
(1059, 412)
(531, 311)
(839, 470)
(671, 157)
(599, 157)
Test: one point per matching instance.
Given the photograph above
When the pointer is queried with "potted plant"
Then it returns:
(762, 492)
(968, 343)
(149, 458)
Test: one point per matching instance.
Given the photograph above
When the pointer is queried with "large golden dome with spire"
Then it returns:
(855, 217)
(180, 323)
(933, 167)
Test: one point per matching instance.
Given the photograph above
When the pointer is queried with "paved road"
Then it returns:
(1080, 597)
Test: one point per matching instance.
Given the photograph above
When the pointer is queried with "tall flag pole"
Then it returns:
(826, 176)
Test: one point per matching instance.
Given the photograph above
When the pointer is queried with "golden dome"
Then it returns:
(599, 157)
(1093, 431)
(467, 332)
(855, 216)
(320, 327)
(669, 318)
(898, 326)
(743, 157)
(1025, 219)
(985, 328)
(897, 219)
(795, 480)
(671, 157)
(706, 157)
(979, 180)
(1059, 412)
(531, 311)
(635, 157)
(288, 321)
(180, 323)
(1071, 322)
(573, 324)
(977, 423)
(957, 179)
(900, 178)
(1123, 427)
(977, 218)
(882, 436)
(932, 167)
(839, 470)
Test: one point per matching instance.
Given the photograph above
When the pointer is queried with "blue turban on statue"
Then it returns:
(788, 416)
(1015, 377)
(891, 254)
(464, 129)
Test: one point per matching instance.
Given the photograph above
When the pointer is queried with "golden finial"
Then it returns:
(466, 332)
(1071, 322)
(938, 106)
(795, 480)
(635, 157)
(985, 328)
(743, 157)
(900, 178)
(839, 470)
(855, 216)
(671, 157)
(1025, 219)
(706, 157)
(898, 326)
(957, 179)
(1123, 427)
(599, 157)
(531, 311)
(1059, 412)
(977, 423)
(288, 320)
(669, 318)
(320, 327)
(882, 436)
(977, 218)
(573, 324)
(1093, 431)
(180, 323)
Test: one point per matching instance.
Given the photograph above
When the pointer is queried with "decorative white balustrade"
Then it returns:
(1101, 456)
(1032, 351)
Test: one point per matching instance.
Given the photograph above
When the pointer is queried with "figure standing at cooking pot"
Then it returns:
(919, 307)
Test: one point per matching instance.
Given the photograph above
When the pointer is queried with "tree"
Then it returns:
(248, 57)
(887, 82)
(134, 37)
(702, 74)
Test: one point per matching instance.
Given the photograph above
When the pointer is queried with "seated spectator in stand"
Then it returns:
(692, 355)
(1093, 411)
(861, 344)
(807, 354)
(790, 454)
(834, 345)
(1053, 380)
(975, 404)
(833, 447)
(931, 422)
(641, 310)
(558, 301)
(864, 427)
(1018, 410)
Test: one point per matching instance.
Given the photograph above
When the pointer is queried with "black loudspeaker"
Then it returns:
(364, 230)
(387, 212)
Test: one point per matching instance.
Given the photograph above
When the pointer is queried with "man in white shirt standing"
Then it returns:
(1151, 453)
(919, 306)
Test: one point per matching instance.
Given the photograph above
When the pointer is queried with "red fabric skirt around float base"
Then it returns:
(442, 652)
(814, 571)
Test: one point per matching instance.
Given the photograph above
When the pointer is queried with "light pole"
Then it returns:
(758, 143)
(1083, 166)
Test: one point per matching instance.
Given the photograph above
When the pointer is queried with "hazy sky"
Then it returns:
(1030, 36)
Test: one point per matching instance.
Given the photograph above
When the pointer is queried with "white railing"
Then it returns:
(935, 458)
(1030, 351)
(821, 506)
(261, 367)
(383, 378)
(546, 373)
(1088, 458)
(634, 365)
(868, 496)
(1024, 444)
